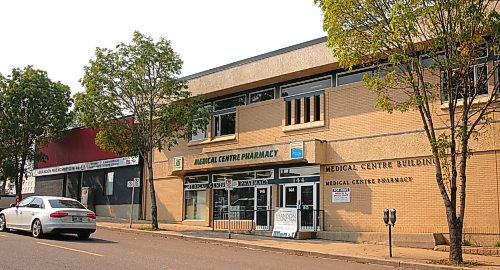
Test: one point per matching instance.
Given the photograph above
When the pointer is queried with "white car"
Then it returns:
(43, 215)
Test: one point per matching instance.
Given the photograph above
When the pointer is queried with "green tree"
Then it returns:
(139, 81)
(399, 38)
(33, 110)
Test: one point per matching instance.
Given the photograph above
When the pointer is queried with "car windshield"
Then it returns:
(61, 203)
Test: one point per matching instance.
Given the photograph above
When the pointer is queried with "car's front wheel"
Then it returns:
(3, 224)
(83, 236)
(36, 229)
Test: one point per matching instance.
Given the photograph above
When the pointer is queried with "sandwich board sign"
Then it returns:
(285, 222)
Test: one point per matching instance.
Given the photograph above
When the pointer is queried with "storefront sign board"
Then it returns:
(285, 223)
(88, 166)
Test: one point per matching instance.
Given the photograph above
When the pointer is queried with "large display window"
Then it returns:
(195, 197)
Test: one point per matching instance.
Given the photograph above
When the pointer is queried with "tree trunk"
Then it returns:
(456, 242)
(20, 175)
(154, 208)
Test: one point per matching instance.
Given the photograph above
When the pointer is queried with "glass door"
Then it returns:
(262, 208)
(303, 197)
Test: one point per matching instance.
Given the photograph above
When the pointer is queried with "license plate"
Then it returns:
(77, 219)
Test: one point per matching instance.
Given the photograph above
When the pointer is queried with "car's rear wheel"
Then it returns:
(36, 229)
(3, 224)
(83, 236)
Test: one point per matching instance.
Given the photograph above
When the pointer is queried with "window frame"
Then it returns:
(216, 133)
(260, 91)
(475, 68)
(305, 82)
(222, 99)
(311, 175)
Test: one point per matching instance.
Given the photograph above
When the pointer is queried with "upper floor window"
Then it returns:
(262, 95)
(476, 84)
(224, 115)
(308, 86)
(353, 76)
(229, 103)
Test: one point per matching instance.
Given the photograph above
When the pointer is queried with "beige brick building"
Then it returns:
(298, 100)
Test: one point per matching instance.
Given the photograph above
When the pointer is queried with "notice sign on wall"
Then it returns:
(285, 222)
(341, 195)
(296, 150)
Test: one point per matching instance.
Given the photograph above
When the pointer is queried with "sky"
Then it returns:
(60, 36)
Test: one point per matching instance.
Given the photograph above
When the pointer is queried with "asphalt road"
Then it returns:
(126, 250)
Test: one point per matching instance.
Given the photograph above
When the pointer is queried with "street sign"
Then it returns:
(134, 183)
(228, 183)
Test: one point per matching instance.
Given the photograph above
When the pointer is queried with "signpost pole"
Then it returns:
(229, 213)
(132, 204)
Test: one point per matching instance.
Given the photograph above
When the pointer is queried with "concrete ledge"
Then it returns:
(244, 244)
(414, 240)
(486, 251)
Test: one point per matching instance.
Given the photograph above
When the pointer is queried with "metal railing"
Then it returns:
(263, 220)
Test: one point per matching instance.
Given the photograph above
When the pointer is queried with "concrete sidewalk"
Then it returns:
(411, 258)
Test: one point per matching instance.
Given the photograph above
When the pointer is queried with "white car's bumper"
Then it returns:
(69, 227)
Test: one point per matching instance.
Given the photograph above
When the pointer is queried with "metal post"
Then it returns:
(132, 203)
(229, 213)
(390, 240)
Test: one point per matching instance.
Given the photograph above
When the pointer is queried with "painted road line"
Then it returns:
(71, 249)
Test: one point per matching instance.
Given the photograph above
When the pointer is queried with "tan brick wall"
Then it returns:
(357, 132)
(419, 203)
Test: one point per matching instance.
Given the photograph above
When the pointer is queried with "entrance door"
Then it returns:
(303, 197)
(262, 207)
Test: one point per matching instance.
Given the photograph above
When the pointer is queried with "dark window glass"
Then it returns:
(477, 81)
(262, 96)
(26, 202)
(288, 120)
(497, 77)
(229, 103)
(62, 203)
(307, 109)
(317, 108)
(198, 179)
(306, 87)
(36, 203)
(297, 111)
(242, 204)
(225, 124)
(352, 77)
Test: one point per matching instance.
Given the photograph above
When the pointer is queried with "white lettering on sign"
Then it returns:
(88, 166)
(341, 195)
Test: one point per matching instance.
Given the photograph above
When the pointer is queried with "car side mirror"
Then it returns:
(13, 205)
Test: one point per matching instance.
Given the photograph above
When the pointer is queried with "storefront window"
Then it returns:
(195, 197)
(194, 204)
(242, 204)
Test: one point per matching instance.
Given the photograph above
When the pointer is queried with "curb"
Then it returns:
(237, 243)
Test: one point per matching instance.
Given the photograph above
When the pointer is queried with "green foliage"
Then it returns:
(394, 37)
(497, 244)
(33, 109)
(138, 80)
(134, 98)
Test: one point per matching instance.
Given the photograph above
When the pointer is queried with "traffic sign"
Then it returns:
(134, 183)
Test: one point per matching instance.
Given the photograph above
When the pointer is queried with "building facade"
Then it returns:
(77, 168)
(295, 130)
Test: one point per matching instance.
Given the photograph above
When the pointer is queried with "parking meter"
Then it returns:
(386, 216)
(393, 216)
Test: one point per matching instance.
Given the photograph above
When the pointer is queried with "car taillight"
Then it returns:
(91, 216)
(58, 214)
